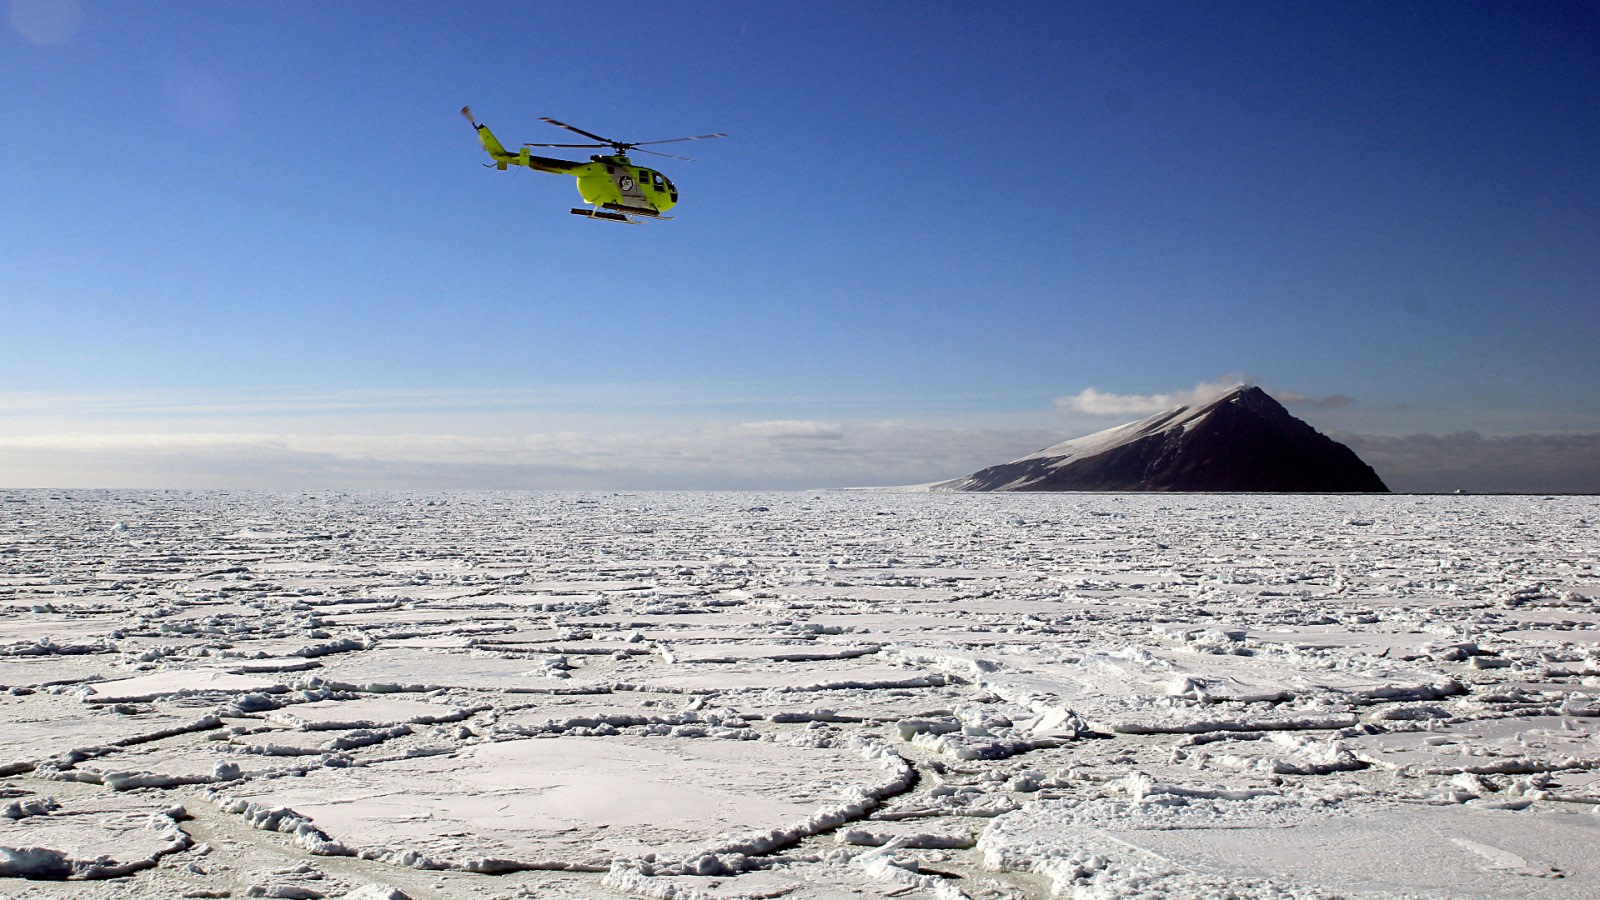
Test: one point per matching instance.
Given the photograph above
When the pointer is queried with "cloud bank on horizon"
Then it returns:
(385, 442)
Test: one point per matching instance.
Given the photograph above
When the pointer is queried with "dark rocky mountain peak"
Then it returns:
(1241, 441)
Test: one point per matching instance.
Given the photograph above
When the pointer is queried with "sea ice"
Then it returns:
(806, 695)
(573, 802)
(87, 839)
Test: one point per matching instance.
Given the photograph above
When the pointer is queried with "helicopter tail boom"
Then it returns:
(503, 158)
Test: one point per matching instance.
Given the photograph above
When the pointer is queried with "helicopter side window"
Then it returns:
(655, 178)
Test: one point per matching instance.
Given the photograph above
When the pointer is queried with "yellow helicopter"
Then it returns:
(615, 188)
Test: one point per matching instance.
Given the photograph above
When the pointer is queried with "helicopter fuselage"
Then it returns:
(616, 180)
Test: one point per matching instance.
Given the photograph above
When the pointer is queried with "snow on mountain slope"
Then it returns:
(1242, 440)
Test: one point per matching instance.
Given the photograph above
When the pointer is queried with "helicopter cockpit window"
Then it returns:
(655, 178)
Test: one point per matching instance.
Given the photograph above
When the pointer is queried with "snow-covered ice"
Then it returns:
(806, 695)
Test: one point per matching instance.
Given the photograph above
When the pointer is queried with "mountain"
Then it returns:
(1242, 441)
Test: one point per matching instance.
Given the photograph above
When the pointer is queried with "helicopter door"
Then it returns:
(628, 186)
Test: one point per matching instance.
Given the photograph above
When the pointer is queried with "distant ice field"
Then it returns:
(799, 695)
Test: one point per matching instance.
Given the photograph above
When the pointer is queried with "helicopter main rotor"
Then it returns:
(621, 147)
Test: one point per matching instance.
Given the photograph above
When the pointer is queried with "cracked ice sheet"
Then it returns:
(1513, 745)
(364, 712)
(1353, 605)
(1288, 845)
(38, 671)
(42, 726)
(423, 669)
(204, 763)
(796, 651)
(830, 674)
(19, 628)
(797, 880)
(568, 802)
(1403, 645)
(1141, 689)
(179, 683)
(41, 837)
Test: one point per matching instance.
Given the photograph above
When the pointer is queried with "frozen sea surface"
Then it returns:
(801, 695)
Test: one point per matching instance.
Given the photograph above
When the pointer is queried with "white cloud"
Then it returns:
(790, 428)
(695, 455)
(1090, 401)
(641, 454)
(1093, 402)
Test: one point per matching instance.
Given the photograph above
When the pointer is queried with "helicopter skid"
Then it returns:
(616, 212)
(603, 214)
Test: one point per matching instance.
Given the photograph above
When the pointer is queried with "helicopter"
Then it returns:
(616, 189)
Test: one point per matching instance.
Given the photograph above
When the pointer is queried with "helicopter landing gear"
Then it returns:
(616, 212)
(596, 213)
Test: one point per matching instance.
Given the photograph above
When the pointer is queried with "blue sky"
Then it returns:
(254, 245)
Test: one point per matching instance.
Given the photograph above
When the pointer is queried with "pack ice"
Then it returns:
(800, 695)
